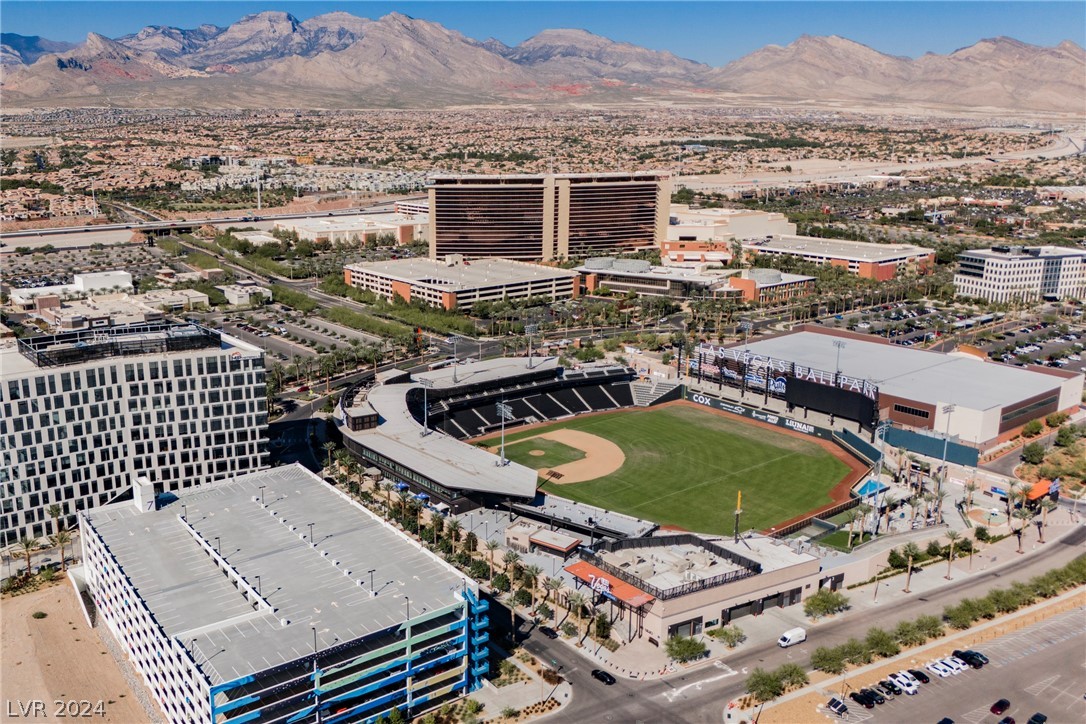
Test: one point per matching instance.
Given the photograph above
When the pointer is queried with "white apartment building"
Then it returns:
(1011, 273)
(86, 413)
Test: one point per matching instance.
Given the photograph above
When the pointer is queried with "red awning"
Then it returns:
(620, 590)
(1039, 490)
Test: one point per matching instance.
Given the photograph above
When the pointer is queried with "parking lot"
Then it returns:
(1040, 668)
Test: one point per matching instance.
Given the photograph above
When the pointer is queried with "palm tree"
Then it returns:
(910, 551)
(491, 546)
(29, 545)
(1023, 515)
(576, 602)
(453, 527)
(532, 573)
(852, 517)
(952, 536)
(1012, 494)
(938, 499)
(970, 488)
(511, 559)
(387, 487)
(914, 503)
(55, 511)
(329, 447)
(889, 501)
(552, 584)
(1077, 494)
(1046, 505)
(60, 539)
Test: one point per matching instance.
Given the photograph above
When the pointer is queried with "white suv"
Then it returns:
(906, 685)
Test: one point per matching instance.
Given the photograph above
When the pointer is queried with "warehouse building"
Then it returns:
(458, 283)
(274, 597)
(708, 235)
(546, 217)
(86, 413)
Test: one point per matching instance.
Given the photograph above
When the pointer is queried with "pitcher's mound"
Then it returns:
(537, 453)
(602, 457)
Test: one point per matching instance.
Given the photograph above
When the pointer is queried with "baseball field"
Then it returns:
(681, 465)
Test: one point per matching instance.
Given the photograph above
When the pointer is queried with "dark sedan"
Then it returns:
(1000, 706)
(603, 676)
(920, 676)
(862, 699)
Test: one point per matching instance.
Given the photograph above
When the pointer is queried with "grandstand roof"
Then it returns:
(440, 457)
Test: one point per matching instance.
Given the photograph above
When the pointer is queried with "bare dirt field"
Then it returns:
(57, 660)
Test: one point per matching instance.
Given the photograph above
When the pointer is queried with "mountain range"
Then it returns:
(338, 60)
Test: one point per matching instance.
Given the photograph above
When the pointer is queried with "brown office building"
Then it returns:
(546, 217)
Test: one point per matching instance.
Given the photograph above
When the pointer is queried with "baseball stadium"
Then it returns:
(596, 435)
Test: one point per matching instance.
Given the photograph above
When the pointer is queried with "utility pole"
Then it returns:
(426, 385)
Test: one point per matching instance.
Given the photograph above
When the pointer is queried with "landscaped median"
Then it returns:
(802, 705)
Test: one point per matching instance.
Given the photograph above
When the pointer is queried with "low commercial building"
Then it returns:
(709, 235)
(458, 283)
(112, 310)
(864, 259)
(245, 294)
(82, 284)
(84, 414)
(397, 227)
(263, 598)
(769, 287)
(1026, 274)
(646, 280)
(680, 585)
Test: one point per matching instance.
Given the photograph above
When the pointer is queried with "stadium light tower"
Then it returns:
(839, 344)
(947, 410)
(738, 510)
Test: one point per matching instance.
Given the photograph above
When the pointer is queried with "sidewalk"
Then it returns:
(523, 695)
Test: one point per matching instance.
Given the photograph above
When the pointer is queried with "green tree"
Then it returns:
(907, 633)
(28, 546)
(764, 686)
(603, 626)
(500, 582)
(60, 540)
(825, 603)
(683, 648)
(1034, 453)
(828, 659)
(930, 626)
(1032, 428)
(881, 642)
(792, 675)
(396, 717)
(1066, 436)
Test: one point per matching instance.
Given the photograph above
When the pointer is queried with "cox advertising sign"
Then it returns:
(753, 414)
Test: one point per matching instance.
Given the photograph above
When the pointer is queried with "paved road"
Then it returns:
(700, 696)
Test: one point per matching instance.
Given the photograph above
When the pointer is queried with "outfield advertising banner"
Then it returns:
(754, 414)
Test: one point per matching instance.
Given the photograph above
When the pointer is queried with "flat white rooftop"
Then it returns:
(931, 377)
(837, 248)
(306, 585)
(462, 276)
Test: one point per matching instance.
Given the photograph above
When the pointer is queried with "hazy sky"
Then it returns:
(710, 32)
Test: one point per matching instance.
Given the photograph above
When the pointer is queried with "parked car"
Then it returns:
(1038, 718)
(904, 684)
(1007, 720)
(603, 676)
(879, 698)
(957, 664)
(548, 632)
(891, 685)
(939, 669)
(837, 707)
(862, 699)
(969, 658)
(1000, 706)
(886, 692)
(919, 676)
(983, 659)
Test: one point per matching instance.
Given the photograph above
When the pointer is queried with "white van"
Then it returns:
(792, 636)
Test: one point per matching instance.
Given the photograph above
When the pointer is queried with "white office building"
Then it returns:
(1016, 273)
(85, 414)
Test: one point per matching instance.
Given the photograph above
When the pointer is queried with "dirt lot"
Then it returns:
(58, 659)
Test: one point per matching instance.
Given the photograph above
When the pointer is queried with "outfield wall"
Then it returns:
(753, 413)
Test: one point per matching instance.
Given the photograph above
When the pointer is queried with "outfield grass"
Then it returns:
(554, 453)
(684, 466)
